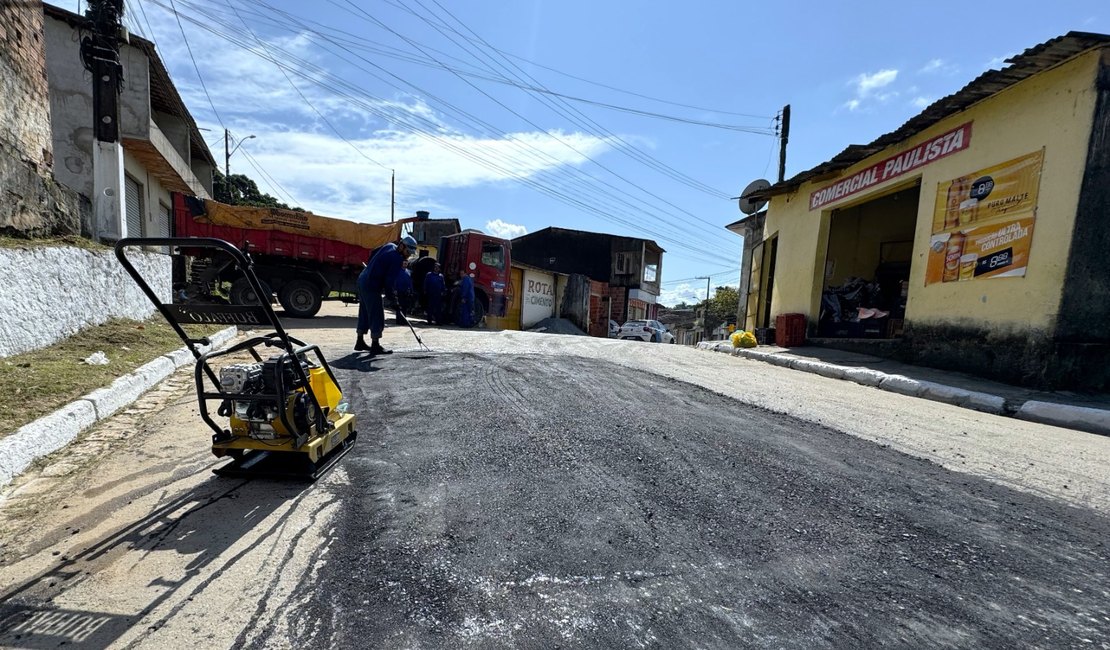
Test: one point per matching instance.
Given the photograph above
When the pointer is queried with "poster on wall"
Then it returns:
(983, 222)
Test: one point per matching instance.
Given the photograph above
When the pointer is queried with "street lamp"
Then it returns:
(228, 151)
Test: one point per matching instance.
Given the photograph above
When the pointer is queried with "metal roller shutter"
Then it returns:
(133, 193)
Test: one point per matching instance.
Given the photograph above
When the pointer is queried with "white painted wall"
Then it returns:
(538, 298)
(49, 293)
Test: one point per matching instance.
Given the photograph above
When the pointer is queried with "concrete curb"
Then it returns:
(52, 432)
(1062, 415)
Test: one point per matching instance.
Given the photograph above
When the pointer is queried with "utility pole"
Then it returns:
(227, 158)
(392, 195)
(705, 309)
(784, 137)
(100, 56)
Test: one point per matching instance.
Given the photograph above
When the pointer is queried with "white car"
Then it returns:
(614, 329)
(651, 331)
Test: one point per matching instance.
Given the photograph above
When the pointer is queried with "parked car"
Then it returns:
(651, 331)
(668, 337)
(614, 329)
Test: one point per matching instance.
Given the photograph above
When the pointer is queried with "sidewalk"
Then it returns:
(56, 430)
(1083, 411)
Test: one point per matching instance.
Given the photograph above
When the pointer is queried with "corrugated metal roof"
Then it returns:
(1034, 60)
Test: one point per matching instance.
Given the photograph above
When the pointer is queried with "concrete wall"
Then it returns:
(153, 193)
(71, 108)
(57, 291)
(134, 101)
(177, 133)
(1052, 110)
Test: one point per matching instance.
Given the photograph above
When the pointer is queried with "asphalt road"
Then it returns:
(529, 501)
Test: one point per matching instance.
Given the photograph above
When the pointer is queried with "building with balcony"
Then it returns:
(162, 146)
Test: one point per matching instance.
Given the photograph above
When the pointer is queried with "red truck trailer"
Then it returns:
(302, 258)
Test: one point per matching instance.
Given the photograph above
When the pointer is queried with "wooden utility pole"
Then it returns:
(100, 56)
(784, 137)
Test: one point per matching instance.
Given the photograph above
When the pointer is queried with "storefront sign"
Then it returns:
(983, 222)
(538, 297)
(943, 145)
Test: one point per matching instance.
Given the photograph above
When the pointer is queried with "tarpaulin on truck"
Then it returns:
(307, 224)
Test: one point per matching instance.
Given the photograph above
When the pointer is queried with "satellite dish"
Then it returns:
(751, 206)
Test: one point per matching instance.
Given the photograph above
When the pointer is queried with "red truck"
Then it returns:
(303, 258)
(484, 258)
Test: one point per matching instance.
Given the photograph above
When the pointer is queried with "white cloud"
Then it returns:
(505, 230)
(867, 86)
(932, 66)
(868, 83)
(920, 102)
(348, 176)
(684, 292)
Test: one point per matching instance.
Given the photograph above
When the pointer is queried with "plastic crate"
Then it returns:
(790, 330)
(765, 335)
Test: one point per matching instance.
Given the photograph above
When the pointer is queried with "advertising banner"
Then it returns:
(989, 194)
(983, 222)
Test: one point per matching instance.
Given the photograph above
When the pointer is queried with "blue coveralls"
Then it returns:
(433, 292)
(379, 275)
(465, 315)
(404, 290)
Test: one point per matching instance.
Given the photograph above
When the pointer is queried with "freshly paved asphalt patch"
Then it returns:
(535, 501)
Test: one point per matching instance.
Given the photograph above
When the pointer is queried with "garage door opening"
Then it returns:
(867, 267)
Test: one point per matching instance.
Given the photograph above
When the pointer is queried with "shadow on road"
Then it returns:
(203, 524)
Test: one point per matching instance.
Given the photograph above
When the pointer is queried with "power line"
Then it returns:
(285, 74)
(586, 123)
(301, 67)
(614, 88)
(536, 126)
(195, 66)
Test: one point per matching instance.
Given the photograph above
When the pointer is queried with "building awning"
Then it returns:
(641, 295)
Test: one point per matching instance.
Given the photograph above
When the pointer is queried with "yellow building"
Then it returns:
(970, 238)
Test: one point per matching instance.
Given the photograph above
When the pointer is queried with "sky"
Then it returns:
(640, 118)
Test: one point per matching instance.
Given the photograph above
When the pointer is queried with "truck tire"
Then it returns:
(241, 293)
(479, 312)
(300, 298)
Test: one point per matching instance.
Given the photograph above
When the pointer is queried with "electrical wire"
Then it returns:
(614, 88)
(467, 115)
(437, 136)
(584, 122)
(538, 127)
(195, 66)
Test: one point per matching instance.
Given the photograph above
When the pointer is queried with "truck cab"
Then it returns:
(486, 260)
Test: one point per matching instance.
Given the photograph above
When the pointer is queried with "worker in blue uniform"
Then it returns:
(403, 293)
(380, 275)
(434, 288)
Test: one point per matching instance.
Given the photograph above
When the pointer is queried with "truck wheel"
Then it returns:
(300, 298)
(479, 313)
(241, 293)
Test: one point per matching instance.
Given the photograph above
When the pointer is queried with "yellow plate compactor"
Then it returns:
(286, 417)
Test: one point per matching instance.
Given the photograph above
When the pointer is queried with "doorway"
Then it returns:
(867, 267)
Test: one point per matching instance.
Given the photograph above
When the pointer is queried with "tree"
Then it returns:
(241, 190)
(722, 308)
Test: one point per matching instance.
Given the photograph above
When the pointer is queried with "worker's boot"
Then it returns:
(376, 348)
(360, 345)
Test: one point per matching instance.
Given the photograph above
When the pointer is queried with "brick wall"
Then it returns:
(25, 113)
(31, 202)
